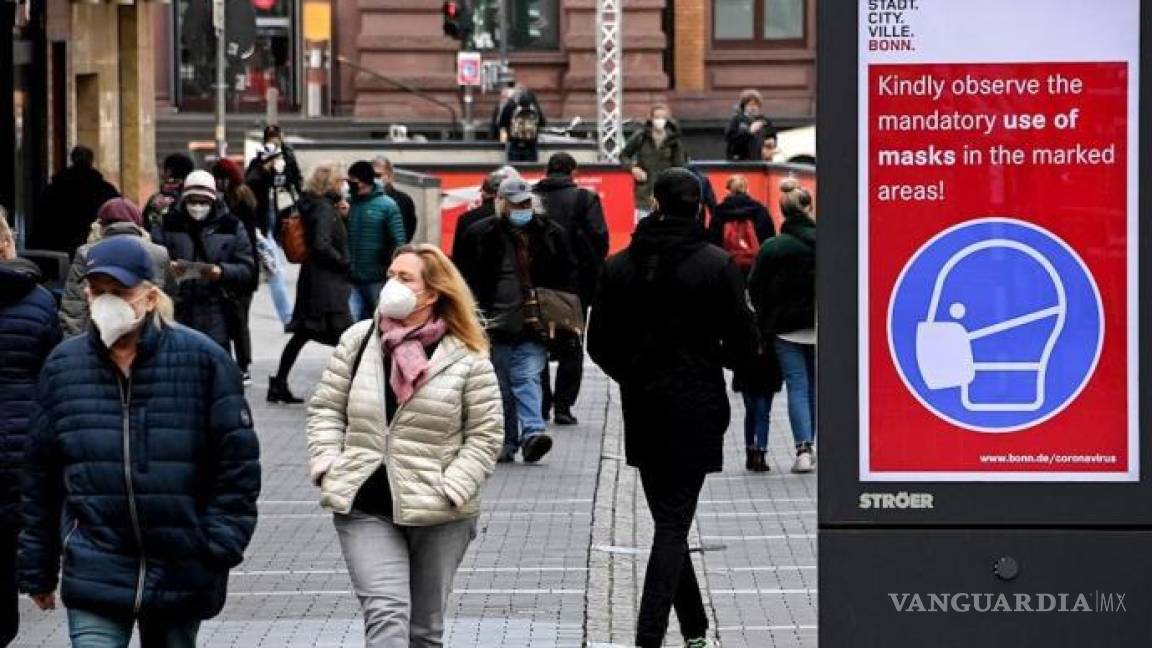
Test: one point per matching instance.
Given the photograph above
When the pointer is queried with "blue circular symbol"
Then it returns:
(995, 325)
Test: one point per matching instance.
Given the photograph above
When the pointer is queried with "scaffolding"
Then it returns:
(609, 80)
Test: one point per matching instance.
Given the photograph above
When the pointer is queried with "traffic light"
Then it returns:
(457, 19)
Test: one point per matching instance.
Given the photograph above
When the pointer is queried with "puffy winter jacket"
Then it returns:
(375, 230)
(439, 448)
(28, 331)
(220, 240)
(145, 487)
(74, 304)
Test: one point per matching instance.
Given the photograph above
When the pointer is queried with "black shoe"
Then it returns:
(278, 392)
(749, 459)
(564, 417)
(506, 456)
(536, 447)
(759, 462)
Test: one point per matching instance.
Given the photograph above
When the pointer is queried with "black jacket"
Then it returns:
(324, 286)
(486, 209)
(261, 181)
(486, 258)
(581, 214)
(743, 144)
(782, 285)
(220, 240)
(246, 212)
(669, 316)
(739, 206)
(29, 330)
(143, 489)
(407, 208)
(68, 208)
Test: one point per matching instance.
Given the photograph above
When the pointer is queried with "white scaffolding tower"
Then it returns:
(609, 79)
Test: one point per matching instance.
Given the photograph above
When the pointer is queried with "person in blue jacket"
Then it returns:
(142, 467)
(28, 332)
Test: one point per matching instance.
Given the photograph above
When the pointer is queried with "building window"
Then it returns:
(759, 23)
(533, 25)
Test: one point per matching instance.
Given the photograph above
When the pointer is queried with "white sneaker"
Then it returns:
(805, 462)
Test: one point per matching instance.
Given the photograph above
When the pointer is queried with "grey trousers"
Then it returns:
(402, 576)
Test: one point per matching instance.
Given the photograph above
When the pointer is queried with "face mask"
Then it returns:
(520, 217)
(199, 211)
(114, 317)
(659, 123)
(752, 112)
(397, 301)
(279, 165)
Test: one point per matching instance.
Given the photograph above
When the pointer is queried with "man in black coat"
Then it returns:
(504, 259)
(580, 213)
(29, 330)
(669, 316)
(69, 204)
(387, 175)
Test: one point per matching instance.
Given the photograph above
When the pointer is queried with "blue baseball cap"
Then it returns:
(123, 258)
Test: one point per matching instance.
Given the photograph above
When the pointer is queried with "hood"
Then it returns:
(739, 206)
(671, 240)
(119, 229)
(17, 278)
(554, 183)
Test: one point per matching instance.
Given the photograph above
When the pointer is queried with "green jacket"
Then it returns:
(642, 151)
(375, 230)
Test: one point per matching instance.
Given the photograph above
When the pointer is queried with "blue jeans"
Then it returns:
(798, 364)
(277, 285)
(362, 302)
(518, 368)
(88, 630)
(756, 413)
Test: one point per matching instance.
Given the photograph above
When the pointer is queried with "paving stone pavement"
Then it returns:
(560, 553)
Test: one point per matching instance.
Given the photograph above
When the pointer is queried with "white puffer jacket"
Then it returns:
(440, 448)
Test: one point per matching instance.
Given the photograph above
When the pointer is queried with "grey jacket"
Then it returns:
(74, 303)
(439, 448)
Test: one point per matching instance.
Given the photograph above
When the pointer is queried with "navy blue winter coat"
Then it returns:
(145, 487)
(29, 330)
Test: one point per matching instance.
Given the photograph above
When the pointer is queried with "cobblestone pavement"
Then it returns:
(561, 548)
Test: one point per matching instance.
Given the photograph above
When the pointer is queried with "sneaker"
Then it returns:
(700, 643)
(564, 417)
(247, 378)
(805, 460)
(507, 455)
(536, 447)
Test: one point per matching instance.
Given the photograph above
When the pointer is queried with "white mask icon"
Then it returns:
(944, 349)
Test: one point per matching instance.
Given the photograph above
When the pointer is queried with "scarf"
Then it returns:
(404, 345)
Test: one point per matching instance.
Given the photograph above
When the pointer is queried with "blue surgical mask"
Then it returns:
(520, 217)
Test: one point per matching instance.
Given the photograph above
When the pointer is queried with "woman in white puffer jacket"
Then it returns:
(403, 430)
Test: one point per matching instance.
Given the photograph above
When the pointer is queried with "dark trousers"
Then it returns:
(9, 597)
(237, 314)
(568, 351)
(670, 580)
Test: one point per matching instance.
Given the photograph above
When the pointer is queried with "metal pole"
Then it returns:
(221, 79)
(469, 126)
(503, 5)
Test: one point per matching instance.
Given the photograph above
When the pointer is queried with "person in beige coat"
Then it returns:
(403, 431)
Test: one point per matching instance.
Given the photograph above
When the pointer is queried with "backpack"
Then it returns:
(741, 242)
(525, 124)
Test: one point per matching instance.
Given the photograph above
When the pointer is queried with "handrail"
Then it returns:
(403, 86)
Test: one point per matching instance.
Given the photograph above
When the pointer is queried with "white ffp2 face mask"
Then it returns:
(397, 301)
(114, 318)
(199, 211)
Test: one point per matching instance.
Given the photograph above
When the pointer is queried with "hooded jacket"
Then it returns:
(669, 316)
(143, 488)
(643, 151)
(579, 212)
(782, 285)
(28, 332)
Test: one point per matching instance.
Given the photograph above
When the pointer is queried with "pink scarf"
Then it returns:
(405, 346)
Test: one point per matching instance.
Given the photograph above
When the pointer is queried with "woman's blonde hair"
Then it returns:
(323, 176)
(794, 198)
(456, 305)
(165, 308)
(737, 184)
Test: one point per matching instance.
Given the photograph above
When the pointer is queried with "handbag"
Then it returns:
(548, 311)
(293, 237)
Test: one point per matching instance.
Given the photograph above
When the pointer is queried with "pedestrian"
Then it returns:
(375, 230)
(118, 217)
(274, 177)
(505, 260)
(387, 174)
(783, 292)
(487, 206)
(69, 204)
(520, 122)
(176, 167)
(741, 224)
(211, 258)
(143, 468)
(670, 315)
(748, 129)
(650, 150)
(406, 396)
(322, 292)
(580, 213)
(28, 332)
(242, 203)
